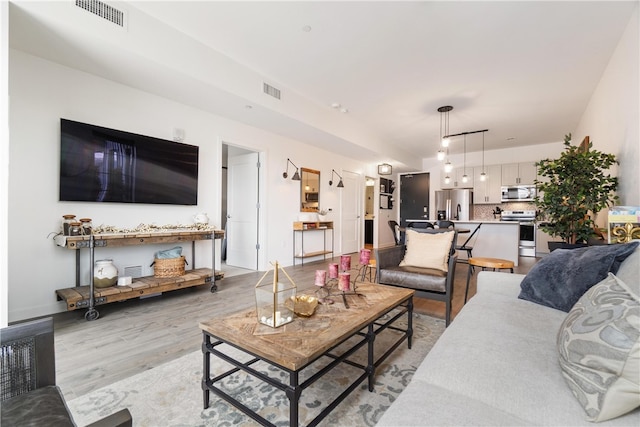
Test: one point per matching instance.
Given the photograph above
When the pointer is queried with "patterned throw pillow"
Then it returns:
(599, 350)
(428, 250)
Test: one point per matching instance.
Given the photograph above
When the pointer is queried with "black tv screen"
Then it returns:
(98, 164)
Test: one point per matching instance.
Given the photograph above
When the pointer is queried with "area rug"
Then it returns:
(171, 394)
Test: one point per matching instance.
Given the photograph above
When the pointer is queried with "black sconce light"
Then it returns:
(285, 174)
(340, 184)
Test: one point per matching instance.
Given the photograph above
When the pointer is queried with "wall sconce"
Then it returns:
(340, 184)
(296, 176)
(385, 169)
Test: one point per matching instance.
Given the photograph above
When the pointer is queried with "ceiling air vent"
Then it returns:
(102, 10)
(270, 90)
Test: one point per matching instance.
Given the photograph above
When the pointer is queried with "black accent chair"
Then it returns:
(420, 225)
(394, 229)
(428, 283)
(28, 388)
(466, 246)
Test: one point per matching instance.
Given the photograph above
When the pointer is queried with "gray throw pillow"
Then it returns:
(599, 350)
(563, 276)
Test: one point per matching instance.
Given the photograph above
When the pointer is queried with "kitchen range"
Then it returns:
(526, 218)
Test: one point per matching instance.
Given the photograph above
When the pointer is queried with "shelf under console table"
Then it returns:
(301, 227)
(87, 296)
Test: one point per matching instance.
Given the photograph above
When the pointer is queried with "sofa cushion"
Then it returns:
(563, 276)
(428, 250)
(599, 348)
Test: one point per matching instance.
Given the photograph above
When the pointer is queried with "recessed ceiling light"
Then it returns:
(306, 28)
(336, 105)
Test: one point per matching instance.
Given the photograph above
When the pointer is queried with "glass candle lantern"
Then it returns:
(275, 301)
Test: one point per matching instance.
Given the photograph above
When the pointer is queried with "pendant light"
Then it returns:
(483, 175)
(465, 178)
(444, 142)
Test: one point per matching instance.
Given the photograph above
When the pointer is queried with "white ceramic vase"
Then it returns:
(105, 274)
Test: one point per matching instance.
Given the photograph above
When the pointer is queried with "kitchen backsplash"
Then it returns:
(485, 212)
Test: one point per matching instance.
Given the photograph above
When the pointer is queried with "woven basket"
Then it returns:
(171, 267)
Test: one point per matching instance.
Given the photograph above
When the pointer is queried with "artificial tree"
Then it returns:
(573, 189)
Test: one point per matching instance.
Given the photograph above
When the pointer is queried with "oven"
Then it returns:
(527, 240)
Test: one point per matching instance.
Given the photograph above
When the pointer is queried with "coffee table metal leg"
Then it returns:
(206, 370)
(293, 393)
(410, 320)
(371, 367)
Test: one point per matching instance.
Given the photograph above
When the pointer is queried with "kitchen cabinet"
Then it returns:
(519, 173)
(456, 179)
(487, 191)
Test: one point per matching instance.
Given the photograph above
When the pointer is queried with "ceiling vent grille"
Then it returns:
(102, 10)
(270, 90)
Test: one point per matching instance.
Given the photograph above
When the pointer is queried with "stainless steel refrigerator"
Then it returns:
(454, 205)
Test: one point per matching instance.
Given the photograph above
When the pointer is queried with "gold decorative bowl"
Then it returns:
(303, 305)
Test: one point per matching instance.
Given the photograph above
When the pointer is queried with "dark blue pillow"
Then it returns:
(563, 276)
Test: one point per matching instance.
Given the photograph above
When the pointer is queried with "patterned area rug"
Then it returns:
(171, 395)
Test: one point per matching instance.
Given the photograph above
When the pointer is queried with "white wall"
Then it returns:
(42, 92)
(612, 117)
(4, 158)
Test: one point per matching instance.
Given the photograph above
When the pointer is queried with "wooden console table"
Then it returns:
(88, 297)
(305, 226)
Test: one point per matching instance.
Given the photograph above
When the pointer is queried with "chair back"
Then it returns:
(394, 229)
(446, 224)
(425, 224)
(27, 357)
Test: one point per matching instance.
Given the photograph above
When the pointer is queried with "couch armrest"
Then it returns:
(122, 418)
(500, 282)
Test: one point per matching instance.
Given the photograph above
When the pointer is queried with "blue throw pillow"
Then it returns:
(562, 277)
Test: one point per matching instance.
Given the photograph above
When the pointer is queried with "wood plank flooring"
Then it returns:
(135, 335)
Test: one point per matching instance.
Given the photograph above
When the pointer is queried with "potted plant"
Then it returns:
(573, 189)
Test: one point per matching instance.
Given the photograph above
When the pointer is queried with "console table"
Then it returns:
(88, 297)
(302, 227)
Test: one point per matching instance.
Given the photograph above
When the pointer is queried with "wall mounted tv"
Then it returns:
(98, 164)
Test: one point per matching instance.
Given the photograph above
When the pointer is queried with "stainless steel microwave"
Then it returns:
(519, 193)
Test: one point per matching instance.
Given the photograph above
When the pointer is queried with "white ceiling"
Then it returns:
(523, 70)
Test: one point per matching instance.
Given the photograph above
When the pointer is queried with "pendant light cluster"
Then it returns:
(445, 139)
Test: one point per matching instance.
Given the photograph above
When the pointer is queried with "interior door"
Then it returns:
(351, 212)
(242, 211)
(414, 197)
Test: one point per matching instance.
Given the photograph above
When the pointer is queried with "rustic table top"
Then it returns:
(300, 342)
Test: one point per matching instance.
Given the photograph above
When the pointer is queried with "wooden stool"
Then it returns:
(371, 267)
(495, 263)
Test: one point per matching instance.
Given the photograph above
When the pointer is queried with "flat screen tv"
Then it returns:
(98, 164)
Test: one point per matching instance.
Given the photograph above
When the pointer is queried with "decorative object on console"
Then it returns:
(271, 299)
(572, 189)
(599, 350)
(285, 174)
(562, 277)
(385, 169)
(105, 274)
(201, 218)
(340, 184)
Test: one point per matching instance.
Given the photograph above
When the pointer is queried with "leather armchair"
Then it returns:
(29, 393)
(428, 283)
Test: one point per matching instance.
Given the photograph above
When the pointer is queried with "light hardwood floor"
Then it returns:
(135, 335)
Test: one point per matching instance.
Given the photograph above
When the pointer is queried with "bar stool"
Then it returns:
(495, 263)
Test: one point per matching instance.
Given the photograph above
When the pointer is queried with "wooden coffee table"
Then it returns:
(295, 346)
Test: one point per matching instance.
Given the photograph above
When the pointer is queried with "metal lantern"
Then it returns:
(275, 301)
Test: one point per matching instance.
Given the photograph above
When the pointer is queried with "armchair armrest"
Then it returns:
(122, 418)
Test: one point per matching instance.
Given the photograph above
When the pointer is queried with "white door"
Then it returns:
(242, 211)
(351, 198)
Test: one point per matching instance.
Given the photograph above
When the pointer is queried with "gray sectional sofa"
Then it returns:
(498, 364)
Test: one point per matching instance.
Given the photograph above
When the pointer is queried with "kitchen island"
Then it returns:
(495, 239)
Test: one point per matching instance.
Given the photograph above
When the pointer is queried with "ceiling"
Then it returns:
(523, 70)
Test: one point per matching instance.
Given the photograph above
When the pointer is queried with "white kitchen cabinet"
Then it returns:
(455, 180)
(487, 191)
(519, 173)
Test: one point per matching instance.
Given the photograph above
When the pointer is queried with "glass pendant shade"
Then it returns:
(447, 180)
(448, 167)
(440, 155)
(465, 178)
(483, 176)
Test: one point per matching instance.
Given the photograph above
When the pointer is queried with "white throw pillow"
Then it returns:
(599, 350)
(428, 250)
